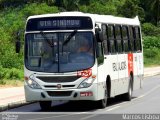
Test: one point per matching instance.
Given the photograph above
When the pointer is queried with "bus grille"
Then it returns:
(59, 93)
(55, 86)
(59, 79)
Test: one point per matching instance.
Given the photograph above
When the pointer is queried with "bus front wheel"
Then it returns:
(45, 105)
(103, 103)
(128, 95)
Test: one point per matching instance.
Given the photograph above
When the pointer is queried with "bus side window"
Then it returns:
(131, 38)
(105, 42)
(100, 56)
(110, 34)
(118, 38)
(134, 41)
(138, 39)
(125, 38)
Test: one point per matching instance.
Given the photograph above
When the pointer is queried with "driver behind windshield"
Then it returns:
(84, 46)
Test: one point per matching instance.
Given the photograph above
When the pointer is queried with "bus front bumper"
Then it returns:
(89, 93)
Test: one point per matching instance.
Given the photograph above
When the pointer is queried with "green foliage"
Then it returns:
(154, 6)
(150, 53)
(151, 57)
(151, 42)
(100, 8)
(70, 5)
(131, 8)
(36, 9)
(13, 73)
(12, 20)
(11, 82)
(151, 47)
(152, 11)
(7, 3)
(150, 30)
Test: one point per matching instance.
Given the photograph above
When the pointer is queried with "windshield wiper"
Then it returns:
(48, 41)
(69, 37)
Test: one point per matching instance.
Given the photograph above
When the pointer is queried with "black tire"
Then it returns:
(128, 95)
(103, 103)
(45, 105)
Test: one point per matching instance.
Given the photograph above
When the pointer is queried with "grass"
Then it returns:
(10, 83)
(151, 62)
(151, 57)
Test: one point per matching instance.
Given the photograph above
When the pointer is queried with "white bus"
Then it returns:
(81, 56)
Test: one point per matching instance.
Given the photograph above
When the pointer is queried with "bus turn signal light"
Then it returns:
(26, 78)
(93, 76)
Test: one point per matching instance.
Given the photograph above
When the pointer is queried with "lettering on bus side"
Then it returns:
(119, 66)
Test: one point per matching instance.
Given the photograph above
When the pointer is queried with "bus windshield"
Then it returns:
(46, 52)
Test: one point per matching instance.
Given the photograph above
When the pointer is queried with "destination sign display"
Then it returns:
(59, 23)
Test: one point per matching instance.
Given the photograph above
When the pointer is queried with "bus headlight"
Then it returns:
(86, 83)
(32, 83)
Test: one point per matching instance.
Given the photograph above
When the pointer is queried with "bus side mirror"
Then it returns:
(99, 53)
(98, 34)
(18, 46)
(101, 34)
(18, 43)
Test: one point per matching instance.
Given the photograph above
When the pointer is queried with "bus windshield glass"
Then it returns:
(49, 52)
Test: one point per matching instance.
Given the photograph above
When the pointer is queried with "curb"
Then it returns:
(13, 105)
(152, 74)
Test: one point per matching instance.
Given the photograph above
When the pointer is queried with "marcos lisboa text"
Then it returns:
(141, 116)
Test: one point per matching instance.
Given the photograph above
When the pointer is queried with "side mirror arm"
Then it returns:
(18, 43)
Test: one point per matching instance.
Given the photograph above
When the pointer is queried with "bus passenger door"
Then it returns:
(139, 58)
(100, 70)
(138, 70)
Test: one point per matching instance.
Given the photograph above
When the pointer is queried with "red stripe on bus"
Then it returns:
(130, 63)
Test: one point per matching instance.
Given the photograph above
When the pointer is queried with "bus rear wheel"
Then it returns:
(45, 105)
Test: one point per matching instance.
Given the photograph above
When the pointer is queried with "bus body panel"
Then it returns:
(110, 66)
(122, 86)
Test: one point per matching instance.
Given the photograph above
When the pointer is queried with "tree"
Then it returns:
(131, 8)
(99, 7)
(71, 5)
(67, 5)
(84, 2)
(155, 8)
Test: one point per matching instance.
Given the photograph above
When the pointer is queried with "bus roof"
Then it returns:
(107, 19)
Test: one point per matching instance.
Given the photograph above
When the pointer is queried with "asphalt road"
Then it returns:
(145, 100)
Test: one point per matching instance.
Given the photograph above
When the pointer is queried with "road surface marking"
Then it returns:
(90, 116)
(57, 116)
(113, 108)
(49, 117)
(147, 93)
